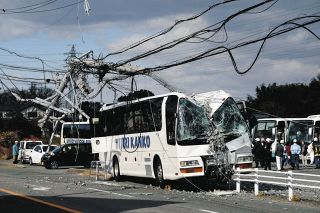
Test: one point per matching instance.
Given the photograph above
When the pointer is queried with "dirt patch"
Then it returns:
(284, 199)
(89, 173)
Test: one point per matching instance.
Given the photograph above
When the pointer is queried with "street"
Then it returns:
(25, 188)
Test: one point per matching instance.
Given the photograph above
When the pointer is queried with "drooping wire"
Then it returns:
(165, 31)
(42, 11)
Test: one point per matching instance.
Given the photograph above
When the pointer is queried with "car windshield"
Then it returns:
(228, 119)
(50, 150)
(30, 145)
(193, 124)
(56, 150)
(298, 129)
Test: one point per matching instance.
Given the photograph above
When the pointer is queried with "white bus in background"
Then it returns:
(304, 129)
(75, 132)
(272, 128)
(166, 137)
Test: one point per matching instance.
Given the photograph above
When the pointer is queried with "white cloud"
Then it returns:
(10, 27)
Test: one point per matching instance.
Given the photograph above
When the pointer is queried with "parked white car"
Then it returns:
(37, 153)
(25, 149)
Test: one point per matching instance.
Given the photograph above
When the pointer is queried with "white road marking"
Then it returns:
(108, 192)
(106, 183)
(38, 188)
(203, 210)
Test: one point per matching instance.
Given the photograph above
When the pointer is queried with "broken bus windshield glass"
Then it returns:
(229, 120)
(193, 124)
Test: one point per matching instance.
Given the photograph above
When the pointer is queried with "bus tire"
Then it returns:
(116, 169)
(158, 173)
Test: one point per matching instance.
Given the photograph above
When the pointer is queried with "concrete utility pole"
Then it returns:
(54, 101)
(128, 70)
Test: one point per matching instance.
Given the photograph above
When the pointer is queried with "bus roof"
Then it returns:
(314, 116)
(108, 106)
(214, 97)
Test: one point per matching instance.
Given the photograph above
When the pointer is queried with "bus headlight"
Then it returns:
(189, 163)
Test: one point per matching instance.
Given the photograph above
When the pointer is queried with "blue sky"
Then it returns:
(112, 25)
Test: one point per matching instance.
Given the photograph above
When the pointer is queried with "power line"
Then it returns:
(41, 11)
(224, 49)
(165, 31)
(31, 69)
(32, 5)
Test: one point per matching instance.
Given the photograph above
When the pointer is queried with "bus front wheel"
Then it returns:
(116, 169)
(158, 171)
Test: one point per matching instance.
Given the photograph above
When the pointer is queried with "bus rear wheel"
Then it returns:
(158, 172)
(116, 169)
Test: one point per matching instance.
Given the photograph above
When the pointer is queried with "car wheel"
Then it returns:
(116, 169)
(30, 161)
(54, 164)
(158, 172)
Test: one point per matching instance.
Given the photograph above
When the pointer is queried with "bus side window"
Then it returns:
(281, 126)
(171, 110)
(317, 129)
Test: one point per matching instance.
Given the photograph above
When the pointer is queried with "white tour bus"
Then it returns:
(166, 137)
(75, 132)
(304, 129)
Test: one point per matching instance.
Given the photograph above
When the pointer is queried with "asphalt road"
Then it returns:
(35, 189)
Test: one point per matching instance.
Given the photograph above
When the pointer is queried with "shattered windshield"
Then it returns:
(229, 120)
(193, 124)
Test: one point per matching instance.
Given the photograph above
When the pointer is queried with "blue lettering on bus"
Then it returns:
(133, 142)
(148, 141)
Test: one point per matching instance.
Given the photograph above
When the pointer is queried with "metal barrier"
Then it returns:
(289, 178)
(96, 165)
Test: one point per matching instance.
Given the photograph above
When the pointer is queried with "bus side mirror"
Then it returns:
(273, 131)
(310, 131)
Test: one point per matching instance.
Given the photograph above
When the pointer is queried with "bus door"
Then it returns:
(148, 123)
(171, 125)
(316, 130)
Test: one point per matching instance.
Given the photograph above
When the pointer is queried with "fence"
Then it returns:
(288, 179)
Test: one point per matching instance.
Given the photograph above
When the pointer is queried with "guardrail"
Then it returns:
(286, 177)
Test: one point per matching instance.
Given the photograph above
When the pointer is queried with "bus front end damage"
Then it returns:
(228, 136)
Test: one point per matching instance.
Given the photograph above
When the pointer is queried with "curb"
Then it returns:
(10, 164)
